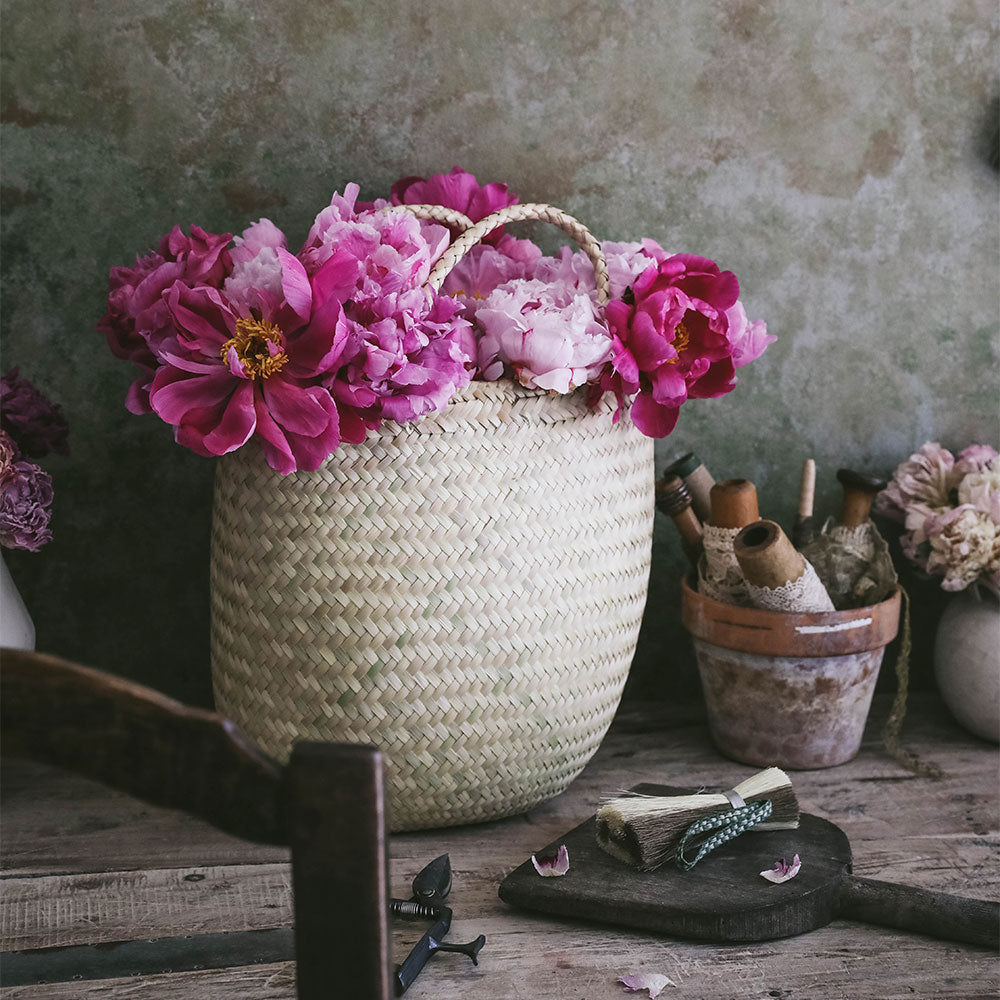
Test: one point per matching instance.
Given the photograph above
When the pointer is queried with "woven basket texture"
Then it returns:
(464, 592)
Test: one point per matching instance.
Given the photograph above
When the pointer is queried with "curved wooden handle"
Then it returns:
(937, 914)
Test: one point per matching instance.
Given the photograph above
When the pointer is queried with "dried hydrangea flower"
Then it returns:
(782, 870)
(655, 982)
(551, 865)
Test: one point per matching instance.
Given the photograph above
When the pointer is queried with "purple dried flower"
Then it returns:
(36, 425)
(25, 496)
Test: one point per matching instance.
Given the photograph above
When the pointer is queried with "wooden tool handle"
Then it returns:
(859, 492)
(767, 556)
(937, 914)
(807, 488)
(734, 503)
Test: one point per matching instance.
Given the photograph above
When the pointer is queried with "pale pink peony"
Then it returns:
(547, 335)
(486, 267)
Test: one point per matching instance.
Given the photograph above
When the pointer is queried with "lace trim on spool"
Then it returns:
(807, 593)
(719, 574)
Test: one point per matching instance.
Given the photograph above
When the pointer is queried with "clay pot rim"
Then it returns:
(775, 633)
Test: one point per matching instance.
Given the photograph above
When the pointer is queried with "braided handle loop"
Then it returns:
(438, 213)
(516, 213)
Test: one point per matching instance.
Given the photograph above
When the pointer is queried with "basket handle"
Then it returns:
(437, 213)
(512, 213)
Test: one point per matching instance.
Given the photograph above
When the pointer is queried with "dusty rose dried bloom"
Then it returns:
(25, 496)
(36, 425)
(925, 480)
(961, 545)
(8, 456)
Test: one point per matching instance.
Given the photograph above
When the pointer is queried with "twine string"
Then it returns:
(728, 824)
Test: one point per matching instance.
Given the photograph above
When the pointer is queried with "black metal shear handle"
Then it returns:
(430, 944)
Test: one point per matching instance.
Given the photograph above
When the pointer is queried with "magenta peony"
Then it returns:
(137, 318)
(458, 190)
(25, 497)
(673, 339)
(36, 425)
(231, 372)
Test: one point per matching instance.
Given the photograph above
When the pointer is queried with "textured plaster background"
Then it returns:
(830, 153)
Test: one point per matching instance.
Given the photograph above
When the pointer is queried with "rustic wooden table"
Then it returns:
(84, 865)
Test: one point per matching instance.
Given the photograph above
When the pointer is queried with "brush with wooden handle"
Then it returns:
(644, 831)
(804, 529)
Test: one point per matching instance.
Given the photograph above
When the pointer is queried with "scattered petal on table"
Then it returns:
(782, 870)
(655, 982)
(552, 864)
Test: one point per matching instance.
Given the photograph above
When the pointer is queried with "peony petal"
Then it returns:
(294, 408)
(782, 870)
(552, 865)
(654, 982)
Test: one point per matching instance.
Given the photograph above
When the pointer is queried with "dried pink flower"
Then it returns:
(25, 496)
(782, 870)
(8, 456)
(36, 425)
(552, 865)
(654, 982)
(926, 480)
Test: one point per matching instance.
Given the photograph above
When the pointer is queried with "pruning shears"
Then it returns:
(430, 887)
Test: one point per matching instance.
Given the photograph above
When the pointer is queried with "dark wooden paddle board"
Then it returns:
(725, 899)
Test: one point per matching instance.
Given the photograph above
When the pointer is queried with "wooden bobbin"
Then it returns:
(674, 499)
(860, 491)
(734, 503)
(766, 555)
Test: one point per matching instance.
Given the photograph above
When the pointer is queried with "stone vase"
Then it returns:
(967, 661)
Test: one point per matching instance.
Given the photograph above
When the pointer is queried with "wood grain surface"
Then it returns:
(83, 864)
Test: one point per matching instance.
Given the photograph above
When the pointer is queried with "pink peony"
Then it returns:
(137, 318)
(547, 334)
(486, 267)
(231, 373)
(458, 190)
(25, 496)
(672, 340)
(35, 425)
(962, 545)
(407, 354)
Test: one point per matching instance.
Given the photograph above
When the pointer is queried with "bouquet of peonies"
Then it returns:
(951, 510)
(240, 338)
(30, 427)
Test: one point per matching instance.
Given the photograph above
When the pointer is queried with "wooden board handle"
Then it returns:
(937, 914)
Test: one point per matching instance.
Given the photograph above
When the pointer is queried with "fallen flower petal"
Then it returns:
(655, 982)
(552, 864)
(782, 870)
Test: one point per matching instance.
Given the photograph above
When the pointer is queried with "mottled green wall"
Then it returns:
(830, 153)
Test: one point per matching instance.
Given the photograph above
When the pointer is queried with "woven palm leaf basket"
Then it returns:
(464, 591)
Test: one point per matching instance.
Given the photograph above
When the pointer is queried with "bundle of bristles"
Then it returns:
(644, 830)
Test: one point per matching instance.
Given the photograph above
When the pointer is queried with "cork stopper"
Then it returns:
(860, 491)
(766, 555)
(734, 503)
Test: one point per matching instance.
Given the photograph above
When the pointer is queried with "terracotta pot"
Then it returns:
(967, 661)
(791, 690)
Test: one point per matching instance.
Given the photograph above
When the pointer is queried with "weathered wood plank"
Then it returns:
(542, 959)
(138, 740)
